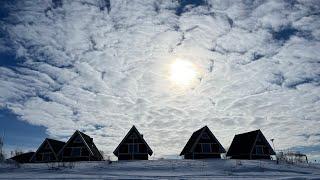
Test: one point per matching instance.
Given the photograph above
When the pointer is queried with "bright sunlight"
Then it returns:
(182, 72)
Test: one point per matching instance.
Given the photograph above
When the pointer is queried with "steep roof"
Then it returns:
(23, 158)
(244, 143)
(195, 137)
(133, 129)
(55, 147)
(93, 148)
(88, 141)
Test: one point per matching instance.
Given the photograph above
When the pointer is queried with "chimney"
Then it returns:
(142, 135)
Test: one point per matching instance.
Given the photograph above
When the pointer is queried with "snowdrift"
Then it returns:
(163, 169)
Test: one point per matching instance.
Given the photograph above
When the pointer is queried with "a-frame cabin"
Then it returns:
(250, 145)
(202, 145)
(133, 147)
(48, 151)
(80, 147)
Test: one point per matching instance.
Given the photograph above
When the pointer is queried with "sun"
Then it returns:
(183, 72)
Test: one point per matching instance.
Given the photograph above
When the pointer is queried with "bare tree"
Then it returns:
(1, 150)
(16, 152)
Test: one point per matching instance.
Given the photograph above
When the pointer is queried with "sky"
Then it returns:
(101, 66)
(19, 135)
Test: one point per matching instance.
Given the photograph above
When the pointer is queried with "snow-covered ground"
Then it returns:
(164, 169)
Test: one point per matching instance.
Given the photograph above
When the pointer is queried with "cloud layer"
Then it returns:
(102, 66)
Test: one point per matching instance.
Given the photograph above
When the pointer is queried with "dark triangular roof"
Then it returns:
(54, 145)
(23, 158)
(88, 141)
(244, 143)
(195, 137)
(133, 129)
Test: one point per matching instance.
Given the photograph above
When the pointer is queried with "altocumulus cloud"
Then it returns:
(102, 65)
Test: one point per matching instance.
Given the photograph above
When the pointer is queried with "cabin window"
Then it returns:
(77, 140)
(46, 156)
(259, 150)
(259, 140)
(133, 136)
(205, 135)
(76, 152)
(206, 148)
(133, 148)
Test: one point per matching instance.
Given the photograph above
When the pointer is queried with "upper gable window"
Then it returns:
(205, 135)
(133, 136)
(47, 146)
(259, 139)
(77, 139)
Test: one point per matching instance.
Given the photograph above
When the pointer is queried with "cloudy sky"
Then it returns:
(101, 66)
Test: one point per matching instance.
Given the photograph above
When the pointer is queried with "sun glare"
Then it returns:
(182, 72)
